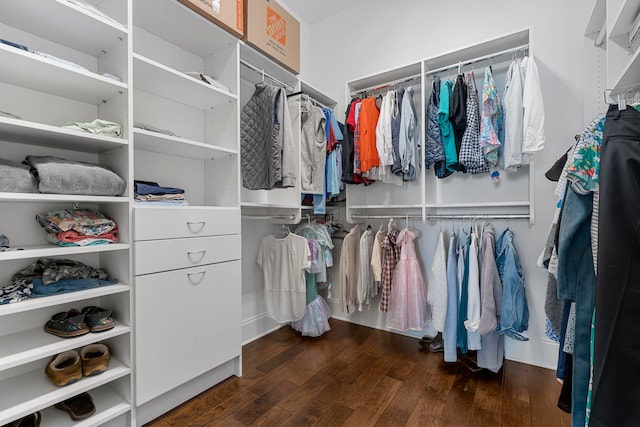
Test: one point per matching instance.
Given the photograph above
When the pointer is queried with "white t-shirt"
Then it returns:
(283, 263)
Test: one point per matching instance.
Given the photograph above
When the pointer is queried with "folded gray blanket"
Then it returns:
(16, 178)
(60, 176)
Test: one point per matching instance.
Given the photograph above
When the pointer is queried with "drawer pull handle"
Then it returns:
(201, 251)
(196, 226)
(199, 275)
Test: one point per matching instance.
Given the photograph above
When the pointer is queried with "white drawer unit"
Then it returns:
(173, 223)
(188, 324)
(154, 256)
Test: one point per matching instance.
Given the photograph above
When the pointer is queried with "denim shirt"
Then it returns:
(514, 316)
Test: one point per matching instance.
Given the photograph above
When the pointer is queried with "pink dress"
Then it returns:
(408, 305)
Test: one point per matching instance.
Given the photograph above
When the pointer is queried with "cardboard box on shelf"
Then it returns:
(227, 14)
(273, 31)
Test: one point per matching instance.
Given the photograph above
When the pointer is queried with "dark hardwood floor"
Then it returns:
(358, 376)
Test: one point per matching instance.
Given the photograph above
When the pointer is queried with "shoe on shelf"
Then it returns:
(64, 368)
(95, 359)
(98, 319)
(67, 324)
(78, 407)
(31, 420)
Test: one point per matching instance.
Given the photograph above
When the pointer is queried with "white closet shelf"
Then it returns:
(410, 206)
(108, 403)
(624, 21)
(629, 75)
(33, 133)
(32, 391)
(50, 250)
(98, 34)
(596, 19)
(176, 146)
(472, 205)
(46, 75)
(70, 297)
(181, 26)
(259, 60)
(26, 346)
(156, 78)
(40, 197)
(268, 205)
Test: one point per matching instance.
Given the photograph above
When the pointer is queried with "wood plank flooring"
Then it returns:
(358, 376)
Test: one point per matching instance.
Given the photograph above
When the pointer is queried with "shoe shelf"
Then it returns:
(97, 34)
(27, 346)
(176, 146)
(156, 78)
(49, 250)
(108, 403)
(33, 391)
(39, 134)
(31, 304)
(49, 76)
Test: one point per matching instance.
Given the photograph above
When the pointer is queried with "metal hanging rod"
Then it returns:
(478, 59)
(265, 74)
(445, 216)
(438, 70)
(386, 85)
(315, 101)
(283, 217)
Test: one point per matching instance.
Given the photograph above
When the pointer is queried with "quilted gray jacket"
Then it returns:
(262, 135)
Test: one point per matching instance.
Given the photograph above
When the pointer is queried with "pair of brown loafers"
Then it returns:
(70, 366)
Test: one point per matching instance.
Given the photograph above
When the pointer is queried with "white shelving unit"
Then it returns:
(46, 94)
(621, 62)
(458, 194)
(190, 252)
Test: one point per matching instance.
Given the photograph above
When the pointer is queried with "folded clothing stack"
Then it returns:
(148, 192)
(60, 176)
(51, 276)
(78, 227)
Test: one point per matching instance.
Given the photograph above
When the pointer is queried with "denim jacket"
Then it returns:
(514, 316)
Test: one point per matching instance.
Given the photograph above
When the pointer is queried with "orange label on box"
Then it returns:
(276, 27)
(240, 15)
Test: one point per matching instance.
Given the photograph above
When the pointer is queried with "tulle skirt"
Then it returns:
(315, 321)
(408, 304)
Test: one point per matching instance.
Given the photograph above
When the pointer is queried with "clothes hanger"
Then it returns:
(283, 231)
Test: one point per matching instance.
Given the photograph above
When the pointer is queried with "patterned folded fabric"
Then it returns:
(51, 270)
(83, 221)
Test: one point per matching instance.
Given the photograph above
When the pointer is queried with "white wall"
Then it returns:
(365, 40)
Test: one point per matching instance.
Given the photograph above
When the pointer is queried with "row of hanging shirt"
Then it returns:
(321, 154)
(585, 273)
(294, 266)
(467, 283)
(381, 144)
(463, 135)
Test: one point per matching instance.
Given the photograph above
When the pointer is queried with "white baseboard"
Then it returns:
(258, 326)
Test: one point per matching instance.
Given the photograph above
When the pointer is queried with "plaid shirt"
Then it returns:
(471, 155)
(390, 260)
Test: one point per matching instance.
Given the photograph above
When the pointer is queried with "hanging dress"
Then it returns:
(492, 122)
(408, 296)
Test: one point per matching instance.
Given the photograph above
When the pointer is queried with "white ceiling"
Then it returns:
(312, 11)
